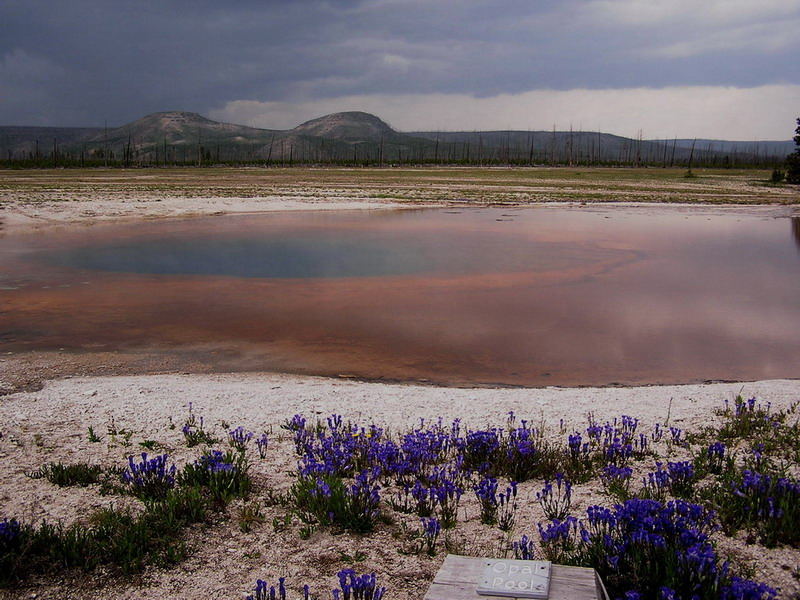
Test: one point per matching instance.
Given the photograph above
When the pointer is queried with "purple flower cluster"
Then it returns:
(9, 529)
(677, 478)
(556, 501)
(747, 418)
(357, 587)
(518, 452)
(13, 542)
(524, 452)
(751, 406)
(296, 423)
(682, 478)
(715, 457)
(413, 499)
(446, 494)
(656, 484)
(264, 591)
(616, 481)
(328, 500)
(486, 491)
(420, 450)
(352, 586)
(215, 462)
(344, 450)
(744, 589)
(507, 507)
(676, 436)
(193, 430)
(341, 449)
(524, 549)
(261, 444)
(150, 477)
(224, 474)
(617, 441)
(579, 454)
(560, 538)
(767, 503)
(239, 438)
(364, 495)
(431, 528)
(644, 547)
(480, 448)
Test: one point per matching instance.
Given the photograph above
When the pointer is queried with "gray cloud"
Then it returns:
(86, 61)
(765, 112)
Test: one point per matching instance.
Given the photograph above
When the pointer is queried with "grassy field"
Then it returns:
(487, 185)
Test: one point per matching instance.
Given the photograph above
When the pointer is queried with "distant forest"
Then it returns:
(357, 139)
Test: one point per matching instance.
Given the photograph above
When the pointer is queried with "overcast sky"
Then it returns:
(721, 68)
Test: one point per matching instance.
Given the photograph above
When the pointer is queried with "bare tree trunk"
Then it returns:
(530, 153)
(672, 157)
(269, 153)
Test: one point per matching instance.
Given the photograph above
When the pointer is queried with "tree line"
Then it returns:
(537, 149)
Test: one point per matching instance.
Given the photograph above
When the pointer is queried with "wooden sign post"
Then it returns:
(465, 578)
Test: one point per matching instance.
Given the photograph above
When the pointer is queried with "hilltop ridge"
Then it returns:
(351, 126)
(357, 136)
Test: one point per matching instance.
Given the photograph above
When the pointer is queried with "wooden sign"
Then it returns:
(515, 579)
(460, 577)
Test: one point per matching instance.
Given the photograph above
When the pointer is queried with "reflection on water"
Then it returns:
(315, 254)
(535, 296)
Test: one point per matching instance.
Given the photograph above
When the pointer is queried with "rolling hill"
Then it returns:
(187, 137)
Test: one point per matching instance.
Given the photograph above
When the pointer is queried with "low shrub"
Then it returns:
(224, 475)
(119, 538)
(767, 505)
(747, 419)
(14, 540)
(714, 459)
(617, 481)
(64, 475)
(250, 515)
(194, 430)
(328, 500)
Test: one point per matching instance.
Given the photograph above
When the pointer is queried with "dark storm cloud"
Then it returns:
(80, 62)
